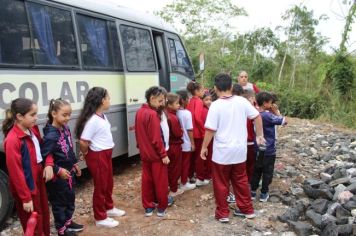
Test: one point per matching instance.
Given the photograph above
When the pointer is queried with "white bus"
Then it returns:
(62, 48)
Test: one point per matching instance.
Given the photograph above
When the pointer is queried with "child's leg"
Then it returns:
(160, 180)
(200, 165)
(147, 185)
(174, 166)
(70, 196)
(109, 202)
(268, 168)
(40, 203)
(98, 168)
(186, 156)
(250, 161)
(257, 173)
(221, 184)
(208, 162)
(241, 188)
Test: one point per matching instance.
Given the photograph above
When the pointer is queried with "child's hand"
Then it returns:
(260, 140)
(48, 173)
(63, 173)
(165, 160)
(78, 171)
(28, 207)
(275, 110)
(203, 153)
(82, 156)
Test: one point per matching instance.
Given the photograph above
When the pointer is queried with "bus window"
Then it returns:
(15, 46)
(54, 41)
(138, 49)
(116, 47)
(179, 58)
(94, 42)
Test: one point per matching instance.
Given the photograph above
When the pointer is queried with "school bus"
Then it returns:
(62, 48)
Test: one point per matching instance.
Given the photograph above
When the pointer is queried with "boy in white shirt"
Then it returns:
(226, 122)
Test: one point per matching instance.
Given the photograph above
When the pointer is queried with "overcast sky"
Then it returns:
(268, 13)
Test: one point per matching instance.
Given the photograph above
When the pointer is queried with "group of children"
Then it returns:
(184, 140)
(45, 168)
(192, 140)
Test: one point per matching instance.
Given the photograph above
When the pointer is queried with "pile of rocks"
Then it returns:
(324, 202)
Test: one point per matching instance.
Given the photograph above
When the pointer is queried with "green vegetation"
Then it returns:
(288, 60)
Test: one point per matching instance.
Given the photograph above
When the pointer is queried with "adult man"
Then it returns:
(242, 79)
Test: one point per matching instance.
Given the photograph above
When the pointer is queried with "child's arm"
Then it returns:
(154, 134)
(190, 134)
(259, 131)
(84, 146)
(175, 127)
(209, 134)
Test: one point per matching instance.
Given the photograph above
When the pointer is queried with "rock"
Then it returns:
(344, 196)
(320, 206)
(342, 212)
(324, 143)
(344, 230)
(314, 151)
(303, 154)
(339, 189)
(342, 220)
(339, 173)
(296, 190)
(351, 172)
(351, 204)
(325, 177)
(274, 199)
(287, 200)
(287, 234)
(353, 212)
(314, 182)
(314, 218)
(352, 145)
(330, 230)
(327, 219)
(300, 228)
(339, 181)
(292, 214)
(332, 208)
(317, 193)
(351, 188)
(352, 180)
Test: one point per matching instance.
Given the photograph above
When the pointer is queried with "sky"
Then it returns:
(268, 14)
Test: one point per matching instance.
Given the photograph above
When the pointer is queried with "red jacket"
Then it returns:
(205, 115)
(195, 106)
(21, 162)
(148, 134)
(175, 130)
(250, 131)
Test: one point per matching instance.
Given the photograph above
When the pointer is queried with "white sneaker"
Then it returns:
(201, 182)
(115, 212)
(108, 222)
(178, 192)
(207, 181)
(188, 186)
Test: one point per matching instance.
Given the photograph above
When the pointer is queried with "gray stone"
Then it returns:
(314, 218)
(344, 230)
(314, 151)
(330, 230)
(349, 205)
(339, 181)
(324, 143)
(352, 145)
(338, 189)
(332, 208)
(291, 214)
(274, 199)
(353, 212)
(351, 172)
(289, 233)
(317, 193)
(342, 212)
(320, 206)
(339, 173)
(351, 188)
(325, 177)
(301, 228)
(303, 154)
(342, 220)
(287, 200)
(352, 180)
(314, 182)
(327, 219)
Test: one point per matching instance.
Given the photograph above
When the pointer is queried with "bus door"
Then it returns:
(162, 60)
(140, 73)
(181, 70)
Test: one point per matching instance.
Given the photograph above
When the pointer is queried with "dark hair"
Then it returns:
(223, 82)
(206, 93)
(154, 91)
(247, 93)
(93, 101)
(193, 86)
(263, 97)
(237, 90)
(18, 106)
(275, 97)
(183, 96)
(172, 98)
(214, 96)
(55, 105)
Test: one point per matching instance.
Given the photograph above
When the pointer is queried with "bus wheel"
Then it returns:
(6, 201)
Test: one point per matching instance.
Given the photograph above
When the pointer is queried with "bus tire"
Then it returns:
(6, 201)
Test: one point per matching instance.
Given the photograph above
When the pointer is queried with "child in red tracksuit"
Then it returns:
(96, 143)
(195, 106)
(175, 144)
(25, 164)
(153, 155)
(207, 99)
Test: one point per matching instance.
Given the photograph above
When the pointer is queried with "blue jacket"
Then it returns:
(269, 130)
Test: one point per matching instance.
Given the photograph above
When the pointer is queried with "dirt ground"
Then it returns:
(191, 214)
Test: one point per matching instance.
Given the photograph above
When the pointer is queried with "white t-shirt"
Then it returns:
(228, 116)
(186, 122)
(37, 147)
(165, 130)
(97, 130)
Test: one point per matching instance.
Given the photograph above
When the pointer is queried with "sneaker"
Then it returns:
(161, 212)
(170, 201)
(178, 192)
(75, 227)
(192, 180)
(201, 182)
(115, 212)
(224, 220)
(108, 222)
(231, 198)
(149, 211)
(67, 233)
(207, 181)
(264, 197)
(253, 195)
(237, 212)
(188, 186)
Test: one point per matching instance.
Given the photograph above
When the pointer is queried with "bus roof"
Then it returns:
(120, 12)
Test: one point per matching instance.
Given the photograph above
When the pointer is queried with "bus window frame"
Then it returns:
(121, 22)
